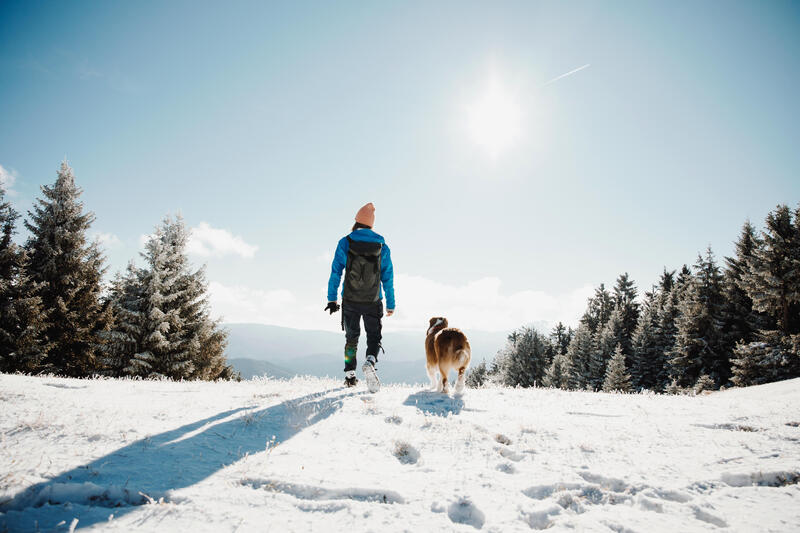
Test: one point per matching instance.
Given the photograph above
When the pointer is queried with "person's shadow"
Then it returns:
(148, 469)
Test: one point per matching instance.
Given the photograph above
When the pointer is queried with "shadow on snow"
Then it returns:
(150, 468)
(435, 403)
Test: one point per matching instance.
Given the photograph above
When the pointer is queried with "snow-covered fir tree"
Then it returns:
(741, 320)
(667, 281)
(772, 281)
(617, 378)
(683, 280)
(68, 271)
(666, 328)
(625, 294)
(647, 358)
(598, 309)
(477, 375)
(126, 337)
(210, 362)
(22, 347)
(763, 361)
(699, 344)
(574, 368)
(169, 308)
(526, 358)
(560, 337)
(558, 373)
(605, 342)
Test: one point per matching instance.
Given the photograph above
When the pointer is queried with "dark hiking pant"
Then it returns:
(352, 313)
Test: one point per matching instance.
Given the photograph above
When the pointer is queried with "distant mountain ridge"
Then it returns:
(258, 349)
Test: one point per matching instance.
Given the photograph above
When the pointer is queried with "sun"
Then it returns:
(494, 119)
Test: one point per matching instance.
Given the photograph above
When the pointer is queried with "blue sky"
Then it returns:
(268, 125)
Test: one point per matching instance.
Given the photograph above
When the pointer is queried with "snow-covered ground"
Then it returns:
(309, 455)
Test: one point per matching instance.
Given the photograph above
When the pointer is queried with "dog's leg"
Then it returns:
(432, 375)
(443, 381)
(460, 382)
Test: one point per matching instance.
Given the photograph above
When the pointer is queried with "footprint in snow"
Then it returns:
(463, 511)
(510, 454)
(507, 468)
(394, 419)
(707, 517)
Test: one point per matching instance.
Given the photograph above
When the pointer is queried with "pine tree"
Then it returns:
(599, 309)
(560, 337)
(605, 342)
(164, 352)
(210, 362)
(179, 340)
(741, 321)
(477, 376)
(648, 359)
(625, 300)
(68, 272)
(126, 337)
(704, 383)
(772, 279)
(526, 362)
(666, 331)
(559, 372)
(699, 346)
(773, 357)
(574, 368)
(616, 377)
(667, 281)
(21, 315)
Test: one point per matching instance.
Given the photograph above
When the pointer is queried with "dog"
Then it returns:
(446, 349)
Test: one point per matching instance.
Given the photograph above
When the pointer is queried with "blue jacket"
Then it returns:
(340, 262)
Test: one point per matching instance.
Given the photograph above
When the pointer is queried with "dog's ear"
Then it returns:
(444, 322)
(432, 321)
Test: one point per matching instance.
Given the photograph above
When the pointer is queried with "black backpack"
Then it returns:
(362, 277)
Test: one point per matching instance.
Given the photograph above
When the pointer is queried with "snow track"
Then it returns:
(309, 455)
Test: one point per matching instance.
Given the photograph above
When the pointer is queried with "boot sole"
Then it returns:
(371, 377)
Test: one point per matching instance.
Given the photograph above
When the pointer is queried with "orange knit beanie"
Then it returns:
(366, 215)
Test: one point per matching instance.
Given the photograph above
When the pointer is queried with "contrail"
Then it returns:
(570, 73)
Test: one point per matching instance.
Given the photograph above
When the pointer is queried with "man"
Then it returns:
(367, 263)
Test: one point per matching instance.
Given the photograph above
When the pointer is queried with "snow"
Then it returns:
(309, 455)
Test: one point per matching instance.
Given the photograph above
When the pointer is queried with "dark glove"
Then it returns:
(332, 306)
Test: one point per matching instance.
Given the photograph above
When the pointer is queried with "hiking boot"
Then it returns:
(371, 374)
(350, 381)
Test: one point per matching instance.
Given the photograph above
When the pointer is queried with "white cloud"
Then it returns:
(238, 304)
(109, 240)
(8, 177)
(477, 305)
(481, 304)
(206, 241)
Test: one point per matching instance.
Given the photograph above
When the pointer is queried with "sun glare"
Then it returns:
(493, 120)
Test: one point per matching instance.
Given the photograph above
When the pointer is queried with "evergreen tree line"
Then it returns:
(56, 315)
(704, 327)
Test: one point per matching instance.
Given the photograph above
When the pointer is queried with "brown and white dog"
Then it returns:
(446, 349)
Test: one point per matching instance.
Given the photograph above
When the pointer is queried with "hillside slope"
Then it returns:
(308, 455)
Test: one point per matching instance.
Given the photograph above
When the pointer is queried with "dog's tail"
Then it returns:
(463, 355)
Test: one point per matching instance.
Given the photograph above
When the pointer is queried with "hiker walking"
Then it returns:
(367, 263)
